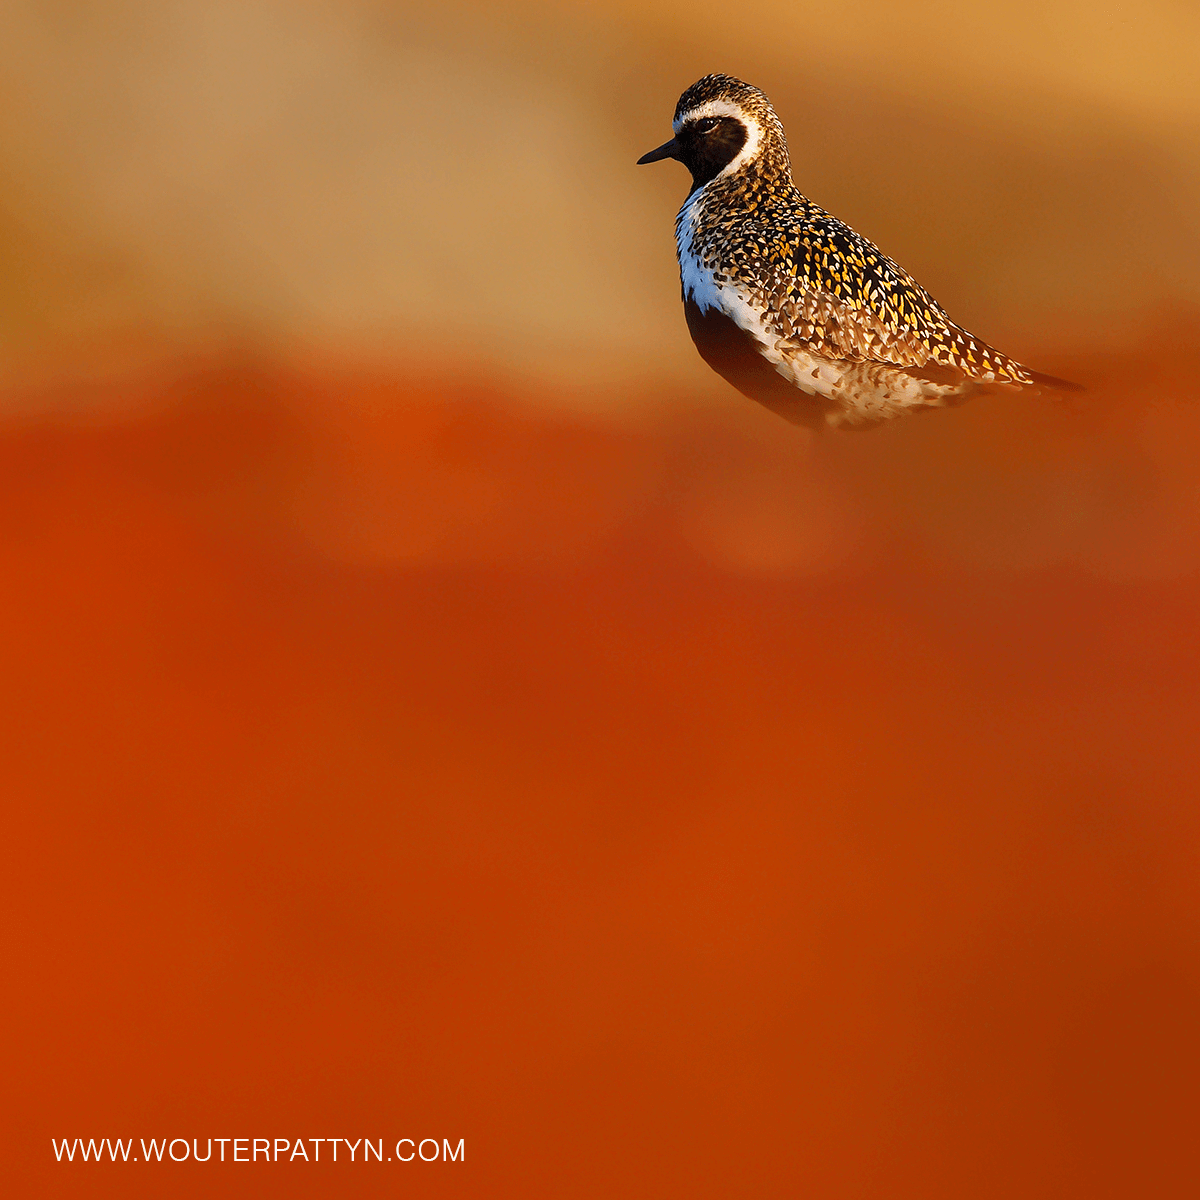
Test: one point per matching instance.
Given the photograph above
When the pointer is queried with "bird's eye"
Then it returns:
(706, 124)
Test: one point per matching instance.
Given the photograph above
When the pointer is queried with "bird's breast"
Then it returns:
(711, 289)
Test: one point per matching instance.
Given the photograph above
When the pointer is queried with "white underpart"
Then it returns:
(700, 285)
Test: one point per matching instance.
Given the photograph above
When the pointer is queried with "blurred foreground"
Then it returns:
(670, 807)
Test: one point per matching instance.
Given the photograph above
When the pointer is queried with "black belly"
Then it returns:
(733, 354)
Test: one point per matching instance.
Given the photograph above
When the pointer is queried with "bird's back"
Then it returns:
(829, 311)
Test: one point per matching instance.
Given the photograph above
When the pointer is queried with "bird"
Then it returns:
(790, 305)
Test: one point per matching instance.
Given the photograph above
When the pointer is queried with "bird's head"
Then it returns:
(720, 125)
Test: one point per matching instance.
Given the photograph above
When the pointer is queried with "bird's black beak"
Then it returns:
(666, 150)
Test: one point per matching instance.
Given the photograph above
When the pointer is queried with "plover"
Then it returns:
(788, 303)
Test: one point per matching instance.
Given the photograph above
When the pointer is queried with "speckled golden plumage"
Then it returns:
(825, 308)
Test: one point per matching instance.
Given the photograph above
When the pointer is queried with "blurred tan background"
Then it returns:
(433, 703)
(369, 176)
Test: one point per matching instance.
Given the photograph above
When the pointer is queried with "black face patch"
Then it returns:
(708, 145)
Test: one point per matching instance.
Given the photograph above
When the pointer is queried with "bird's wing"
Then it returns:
(846, 299)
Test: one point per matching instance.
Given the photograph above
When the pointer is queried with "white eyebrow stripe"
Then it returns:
(710, 108)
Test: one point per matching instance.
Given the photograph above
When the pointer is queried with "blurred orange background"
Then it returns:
(434, 705)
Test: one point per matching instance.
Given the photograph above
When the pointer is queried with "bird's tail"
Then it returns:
(1054, 384)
